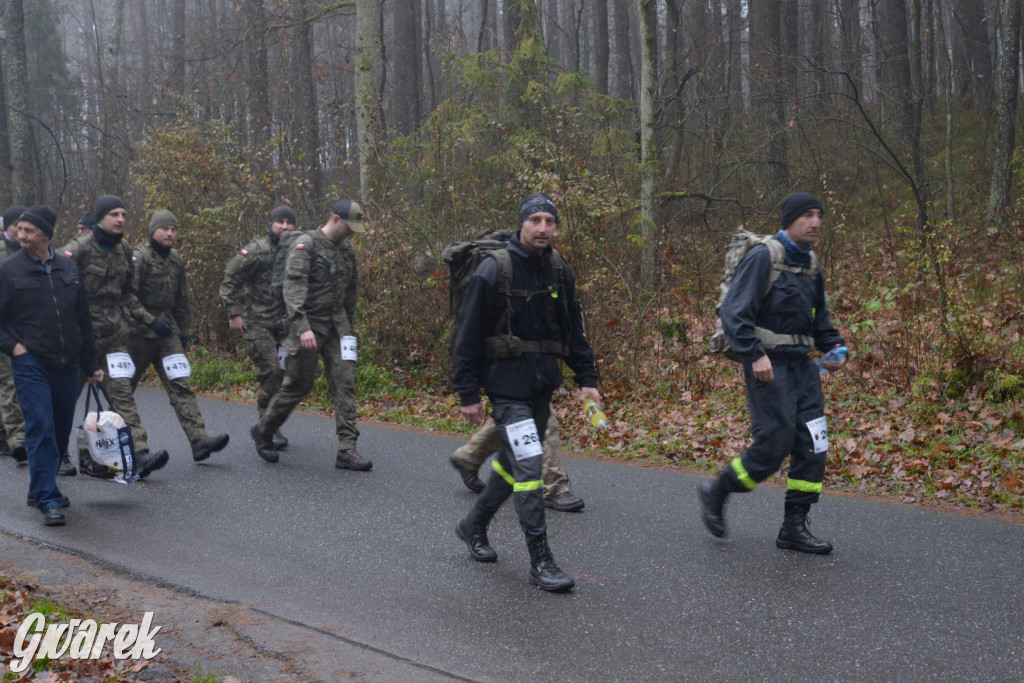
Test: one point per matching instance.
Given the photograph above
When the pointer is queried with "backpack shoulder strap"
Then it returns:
(504, 261)
(778, 253)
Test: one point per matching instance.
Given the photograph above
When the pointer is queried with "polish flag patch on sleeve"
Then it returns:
(243, 252)
(134, 258)
(300, 245)
(68, 254)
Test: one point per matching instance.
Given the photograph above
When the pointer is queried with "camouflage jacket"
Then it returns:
(7, 248)
(160, 285)
(245, 290)
(319, 288)
(107, 276)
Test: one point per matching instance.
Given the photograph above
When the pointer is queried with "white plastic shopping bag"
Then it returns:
(105, 446)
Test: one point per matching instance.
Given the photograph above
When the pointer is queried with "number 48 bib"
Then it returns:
(523, 438)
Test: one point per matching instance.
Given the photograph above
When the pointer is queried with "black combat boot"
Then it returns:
(794, 534)
(712, 494)
(469, 476)
(280, 440)
(201, 448)
(264, 444)
(66, 468)
(148, 462)
(19, 452)
(543, 570)
(473, 531)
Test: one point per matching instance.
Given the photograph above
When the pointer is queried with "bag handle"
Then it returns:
(94, 390)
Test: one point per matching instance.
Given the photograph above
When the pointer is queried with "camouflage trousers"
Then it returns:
(261, 345)
(146, 352)
(119, 389)
(300, 374)
(10, 411)
(487, 441)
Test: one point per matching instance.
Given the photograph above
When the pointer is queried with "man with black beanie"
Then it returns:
(256, 312)
(508, 341)
(105, 263)
(11, 419)
(46, 328)
(772, 328)
(85, 224)
(159, 282)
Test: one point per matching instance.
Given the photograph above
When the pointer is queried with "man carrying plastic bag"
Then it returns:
(106, 440)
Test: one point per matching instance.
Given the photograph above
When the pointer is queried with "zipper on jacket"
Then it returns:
(56, 306)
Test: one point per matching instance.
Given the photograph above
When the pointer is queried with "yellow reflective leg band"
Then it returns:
(517, 486)
(742, 474)
(496, 466)
(801, 485)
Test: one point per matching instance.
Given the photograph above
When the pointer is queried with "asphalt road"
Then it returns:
(907, 595)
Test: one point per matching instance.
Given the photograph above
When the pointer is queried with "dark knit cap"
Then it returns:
(41, 217)
(160, 218)
(794, 206)
(536, 203)
(105, 205)
(12, 214)
(283, 213)
(87, 219)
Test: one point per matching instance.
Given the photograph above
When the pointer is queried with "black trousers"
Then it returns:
(517, 477)
(780, 411)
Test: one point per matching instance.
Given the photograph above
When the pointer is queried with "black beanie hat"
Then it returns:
(794, 206)
(41, 217)
(105, 205)
(536, 203)
(12, 215)
(87, 219)
(283, 213)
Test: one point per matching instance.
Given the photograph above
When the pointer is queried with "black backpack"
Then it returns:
(464, 257)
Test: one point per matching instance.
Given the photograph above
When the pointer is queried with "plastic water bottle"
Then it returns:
(594, 413)
(837, 355)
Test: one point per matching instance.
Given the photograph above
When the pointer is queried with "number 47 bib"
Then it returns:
(523, 438)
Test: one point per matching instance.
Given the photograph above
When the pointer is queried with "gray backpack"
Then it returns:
(742, 242)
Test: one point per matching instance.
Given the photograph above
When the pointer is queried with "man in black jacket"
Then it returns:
(519, 315)
(772, 330)
(46, 329)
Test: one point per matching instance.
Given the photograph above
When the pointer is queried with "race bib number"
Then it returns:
(523, 438)
(282, 356)
(348, 348)
(120, 365)
(176, 366)
(819, 434)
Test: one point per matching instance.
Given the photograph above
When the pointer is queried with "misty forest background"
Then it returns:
(657, 125)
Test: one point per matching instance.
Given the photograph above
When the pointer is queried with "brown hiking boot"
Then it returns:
(349, 459)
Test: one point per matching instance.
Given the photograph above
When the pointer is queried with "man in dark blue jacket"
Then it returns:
(772, 334)
(46, 329)
(518, 317)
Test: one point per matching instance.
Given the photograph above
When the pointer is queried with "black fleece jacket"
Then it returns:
(530, 375)
(48, 313)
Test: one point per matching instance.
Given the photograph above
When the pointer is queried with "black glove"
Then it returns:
(184, 341)
(161, 327)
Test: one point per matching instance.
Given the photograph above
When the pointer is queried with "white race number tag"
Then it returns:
(819, 434)
(176, 366)
(282, 356)
(120, 365)
(348, 348)
(523, 438)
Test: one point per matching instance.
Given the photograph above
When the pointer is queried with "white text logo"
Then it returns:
(82, 639)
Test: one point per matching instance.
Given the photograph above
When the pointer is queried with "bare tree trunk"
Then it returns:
(1002, 170)
(976, 70)
(6, 195)
(177, 75)
(306, 118)
(485, 39)
(623, 64)
(259, 84)
(648, 147)
(406, 87)
(601, 50)
(111, 108)
(23, 146)
(768, 95)
(368, 58)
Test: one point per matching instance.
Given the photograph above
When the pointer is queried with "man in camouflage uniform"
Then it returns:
(254, 311)
(319, 287)
(11, 420)
(468, 459)
(105, 263)
(158, 280)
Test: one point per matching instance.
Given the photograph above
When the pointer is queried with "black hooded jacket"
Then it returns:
(529, 375)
